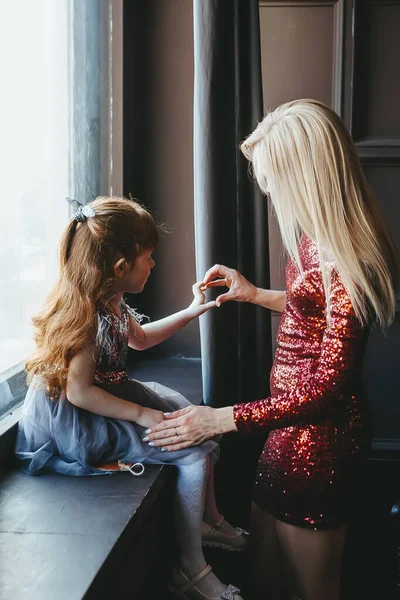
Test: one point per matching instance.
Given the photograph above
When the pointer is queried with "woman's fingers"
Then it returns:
(215, 283)
(230, 295)
(164, 434)
(240, 289)
(224, 298)
(163, 427)
(195, 425)
(172, 421)
(171, 432)
(169, 441)
(176, 447)
(216, 271)
(177, 413)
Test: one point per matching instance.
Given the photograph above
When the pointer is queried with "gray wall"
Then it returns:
(158, 150)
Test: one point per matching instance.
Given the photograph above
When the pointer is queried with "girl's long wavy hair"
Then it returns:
(304, 158)
(121, 228)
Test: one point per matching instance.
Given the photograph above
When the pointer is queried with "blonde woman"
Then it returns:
(339, 280)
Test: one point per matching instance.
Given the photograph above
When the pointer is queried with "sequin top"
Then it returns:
(316, 367)
(112, 339)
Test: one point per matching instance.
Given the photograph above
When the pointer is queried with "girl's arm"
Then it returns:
(241, 290)
(151, 334)
(83, 393)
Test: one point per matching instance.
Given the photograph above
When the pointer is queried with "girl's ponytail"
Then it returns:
(66, 242)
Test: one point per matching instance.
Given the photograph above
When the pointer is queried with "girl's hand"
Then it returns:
(149, 417)
(240, 289)
(199, 304)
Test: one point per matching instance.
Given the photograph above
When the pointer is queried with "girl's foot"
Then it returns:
(201, 587)
(224, 536)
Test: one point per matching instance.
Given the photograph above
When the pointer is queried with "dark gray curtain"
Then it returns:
(231, 227)
(230, 213)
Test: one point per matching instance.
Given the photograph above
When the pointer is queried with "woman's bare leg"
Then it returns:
(314, 560)
(266, 557)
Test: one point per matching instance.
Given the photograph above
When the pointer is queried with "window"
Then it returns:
(58, 138)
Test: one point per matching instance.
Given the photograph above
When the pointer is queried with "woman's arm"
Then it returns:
(311, 401)
(241, 290)
(151, 334)
(83, 393)
(272, 299)
(314, 399)
(191, 426)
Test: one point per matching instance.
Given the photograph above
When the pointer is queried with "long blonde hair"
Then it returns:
(89, 250)
(304, 158)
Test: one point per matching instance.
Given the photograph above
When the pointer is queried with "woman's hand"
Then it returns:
(240, 289)
(199, 304)
(148, 417)
(190, 426)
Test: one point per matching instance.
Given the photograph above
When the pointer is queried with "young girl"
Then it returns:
(82, 411)
(340, 279)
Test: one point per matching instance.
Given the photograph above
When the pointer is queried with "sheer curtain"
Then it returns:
(34, 114)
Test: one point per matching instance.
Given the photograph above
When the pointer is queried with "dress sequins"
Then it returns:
(112, 339)
(312, 464)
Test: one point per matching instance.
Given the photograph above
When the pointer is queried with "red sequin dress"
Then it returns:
(312, 465)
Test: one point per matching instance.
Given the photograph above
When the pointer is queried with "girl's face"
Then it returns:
(135, 280)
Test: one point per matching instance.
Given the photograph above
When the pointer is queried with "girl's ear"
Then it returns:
(121, 268)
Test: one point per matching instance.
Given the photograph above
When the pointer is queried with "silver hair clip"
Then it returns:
(84, 210)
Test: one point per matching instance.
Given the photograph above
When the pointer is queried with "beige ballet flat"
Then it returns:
(185, 589)
(212, 537)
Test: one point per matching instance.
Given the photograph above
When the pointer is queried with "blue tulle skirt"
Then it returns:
(55, 435)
